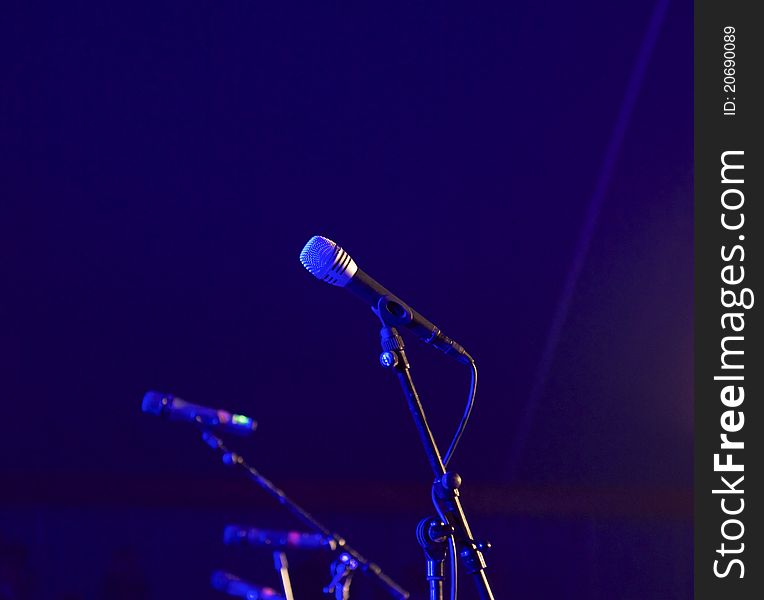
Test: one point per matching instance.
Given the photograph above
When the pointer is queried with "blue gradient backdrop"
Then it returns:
(163, 164)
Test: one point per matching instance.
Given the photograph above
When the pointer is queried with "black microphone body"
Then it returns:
(395, 312)
(235, 586)
(279, 540)
(177, 409)
(330, 263)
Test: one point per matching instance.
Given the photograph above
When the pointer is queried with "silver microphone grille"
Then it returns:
(327, 261)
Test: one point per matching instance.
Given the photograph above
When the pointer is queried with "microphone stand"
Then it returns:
(446, 485)
(236, 460)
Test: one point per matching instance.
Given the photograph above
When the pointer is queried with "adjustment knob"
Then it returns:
(451, 480)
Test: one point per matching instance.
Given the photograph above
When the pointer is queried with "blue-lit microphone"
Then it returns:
(277, 540)
(235, 586)
(326, 261)
(177, 409)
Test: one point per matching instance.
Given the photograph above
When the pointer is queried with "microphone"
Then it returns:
(235, 586)
(177, 409)
(328, 262)
(278, 540)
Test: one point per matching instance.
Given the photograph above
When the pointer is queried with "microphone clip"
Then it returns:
(342, 571)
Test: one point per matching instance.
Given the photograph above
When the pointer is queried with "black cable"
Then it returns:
(465, 417)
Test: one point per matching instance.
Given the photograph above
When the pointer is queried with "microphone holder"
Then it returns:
(342, 571)
(446, 483)
(432, 535)
(236, 460)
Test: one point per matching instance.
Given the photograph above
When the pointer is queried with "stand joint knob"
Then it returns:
(451, 480)
(388, 359)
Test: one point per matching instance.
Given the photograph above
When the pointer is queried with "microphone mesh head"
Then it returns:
(327, 261)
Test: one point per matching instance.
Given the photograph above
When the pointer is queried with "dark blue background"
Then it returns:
(163, 164)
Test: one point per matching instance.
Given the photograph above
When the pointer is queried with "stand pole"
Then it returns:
(446, 484)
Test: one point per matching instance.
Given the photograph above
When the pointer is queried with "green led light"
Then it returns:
(241, 420)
